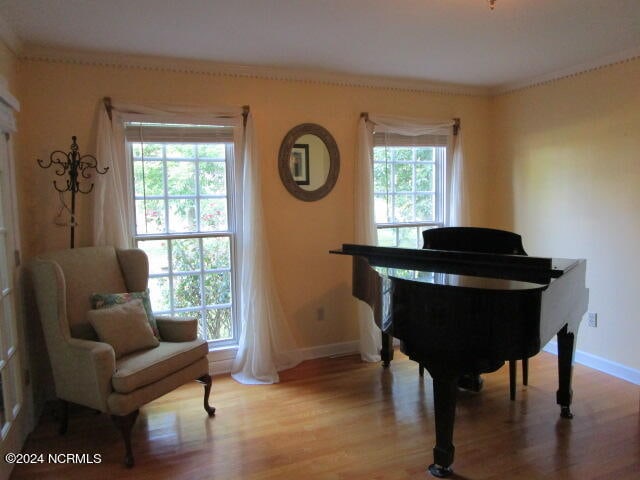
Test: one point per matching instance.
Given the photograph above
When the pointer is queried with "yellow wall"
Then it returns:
(567, 162)
(61, 99)
(557, 163)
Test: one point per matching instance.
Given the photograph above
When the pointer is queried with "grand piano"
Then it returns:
(466, 312)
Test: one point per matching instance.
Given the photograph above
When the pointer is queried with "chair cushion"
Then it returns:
(148, 366)
(106, 300)
(125, 327)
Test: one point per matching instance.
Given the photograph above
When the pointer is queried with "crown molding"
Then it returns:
(603, 62)
(9, 37)
(202, 67)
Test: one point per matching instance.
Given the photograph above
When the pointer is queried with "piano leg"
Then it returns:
(386, 353)
(512, 379)
(566, 347)
(444, 398)
(513, 374)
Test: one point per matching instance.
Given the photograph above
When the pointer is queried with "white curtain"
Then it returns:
(266, 343)
(370, 340)
(112, 200)
(456, 214)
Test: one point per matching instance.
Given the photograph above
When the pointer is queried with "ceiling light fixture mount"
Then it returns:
(492, 4)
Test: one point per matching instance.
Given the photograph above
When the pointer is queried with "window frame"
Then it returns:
(440, 153)
(168, 235)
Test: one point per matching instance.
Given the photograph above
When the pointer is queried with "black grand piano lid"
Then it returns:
(539, 270)
(460, 281)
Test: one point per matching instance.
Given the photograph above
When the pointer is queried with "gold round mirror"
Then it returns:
(309, 162)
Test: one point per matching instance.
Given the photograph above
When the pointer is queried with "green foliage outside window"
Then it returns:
(405, 189)
(182, 189)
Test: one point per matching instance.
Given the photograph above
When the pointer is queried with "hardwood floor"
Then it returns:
(343, 419)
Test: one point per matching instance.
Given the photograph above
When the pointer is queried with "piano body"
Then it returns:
(468, 312)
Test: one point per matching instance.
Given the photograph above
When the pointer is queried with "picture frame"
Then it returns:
(299, 163)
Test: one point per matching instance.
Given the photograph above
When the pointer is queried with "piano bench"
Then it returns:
(512, 377)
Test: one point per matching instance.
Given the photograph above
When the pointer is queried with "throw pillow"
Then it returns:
(125, 327)
(105, 300)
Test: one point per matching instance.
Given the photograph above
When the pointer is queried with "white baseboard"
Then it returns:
(330, 350)
(219, 367)
(220, 360)
(601, 364)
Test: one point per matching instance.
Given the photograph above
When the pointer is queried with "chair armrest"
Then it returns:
(175, 329)
(83, 372)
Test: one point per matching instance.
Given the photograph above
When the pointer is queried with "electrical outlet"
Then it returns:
(593, 319)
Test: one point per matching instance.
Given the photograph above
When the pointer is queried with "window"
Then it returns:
(409, 179)
(185, 222)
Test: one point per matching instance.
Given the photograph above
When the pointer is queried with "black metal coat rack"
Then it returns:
(77, 167)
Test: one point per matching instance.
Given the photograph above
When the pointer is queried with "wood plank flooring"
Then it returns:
(339, 418)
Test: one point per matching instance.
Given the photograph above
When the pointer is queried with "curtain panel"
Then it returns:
(266, 343)
(381, 130)
(365, 225)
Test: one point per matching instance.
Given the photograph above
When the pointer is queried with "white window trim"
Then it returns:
(231, 232)
(440, 162)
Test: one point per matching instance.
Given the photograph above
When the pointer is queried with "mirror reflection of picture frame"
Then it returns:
(314, 191)
(299, 163)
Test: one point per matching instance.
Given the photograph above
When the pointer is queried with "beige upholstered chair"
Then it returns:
(86, 370)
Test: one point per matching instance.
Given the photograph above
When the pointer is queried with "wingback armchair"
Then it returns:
(90, 372)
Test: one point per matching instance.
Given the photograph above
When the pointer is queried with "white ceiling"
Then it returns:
(454, 41)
